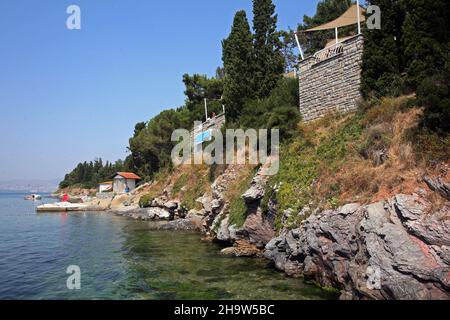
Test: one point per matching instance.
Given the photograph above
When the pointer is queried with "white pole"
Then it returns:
(337, 36)
(299, 46)
(206, 110)
(359, 16)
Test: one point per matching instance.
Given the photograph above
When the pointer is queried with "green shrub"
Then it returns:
(434, 95)
(302, 162)
(197, 186)
(146, 200)
(180, 183)
(238, 208)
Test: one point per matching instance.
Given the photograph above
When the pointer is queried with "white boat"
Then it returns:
(33, 197)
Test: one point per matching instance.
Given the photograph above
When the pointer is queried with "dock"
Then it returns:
(67, 207)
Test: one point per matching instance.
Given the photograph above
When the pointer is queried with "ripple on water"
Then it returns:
(125, 259)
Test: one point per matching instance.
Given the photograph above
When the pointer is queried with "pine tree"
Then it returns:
(269, 61)
(383, 53)
(237, 59)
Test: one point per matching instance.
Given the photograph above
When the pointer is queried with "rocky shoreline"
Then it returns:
(393, 249)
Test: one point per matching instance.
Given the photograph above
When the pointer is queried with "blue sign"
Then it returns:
(204, 136)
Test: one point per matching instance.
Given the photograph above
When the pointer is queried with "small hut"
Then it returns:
(125, 182)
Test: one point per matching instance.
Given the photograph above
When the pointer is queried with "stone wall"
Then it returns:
(331, 85)
(213, 123)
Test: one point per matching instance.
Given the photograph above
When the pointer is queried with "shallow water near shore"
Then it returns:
(124, 259)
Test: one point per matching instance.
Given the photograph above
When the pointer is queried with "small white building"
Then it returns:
(125, 182)
(105, 186)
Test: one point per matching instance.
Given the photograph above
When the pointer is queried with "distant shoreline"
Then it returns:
(23, 192)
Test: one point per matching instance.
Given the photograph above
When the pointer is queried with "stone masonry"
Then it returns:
(331, 85)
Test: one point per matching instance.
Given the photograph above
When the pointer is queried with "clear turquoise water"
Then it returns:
(124, 259)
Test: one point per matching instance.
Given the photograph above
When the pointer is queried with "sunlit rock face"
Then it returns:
(394, 249)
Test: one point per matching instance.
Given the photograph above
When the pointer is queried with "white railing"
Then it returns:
(329, 52)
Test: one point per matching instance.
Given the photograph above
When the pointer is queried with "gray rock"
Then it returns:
(205, 201)
(158, 202)
(171, 205)
(438, 185)
(256, 190)
(433, 228)
(155, 213)
(392, 249)
(223, 234)
(286, 215)
(258, 230)
(348, 209)
(236, 233)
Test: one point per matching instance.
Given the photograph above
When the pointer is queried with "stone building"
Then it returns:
(330, 79)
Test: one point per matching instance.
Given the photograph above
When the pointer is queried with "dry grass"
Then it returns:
(358, 180)
(361, 181)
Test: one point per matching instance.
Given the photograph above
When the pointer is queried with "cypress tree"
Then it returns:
(269, 61)
(427, 53)
(426, 38)
(383, 52)
(237, 56)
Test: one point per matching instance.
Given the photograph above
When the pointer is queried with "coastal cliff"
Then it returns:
(360, 204)
(393, 249)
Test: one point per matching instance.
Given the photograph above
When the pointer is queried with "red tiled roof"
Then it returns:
(129, 175)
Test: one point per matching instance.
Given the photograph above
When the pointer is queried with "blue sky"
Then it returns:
(72, 95)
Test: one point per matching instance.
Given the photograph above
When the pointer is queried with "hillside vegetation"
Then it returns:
(364, 157)
(400, 131)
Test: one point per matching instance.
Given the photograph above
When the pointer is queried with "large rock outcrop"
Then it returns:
(395, 249)
(257, 229)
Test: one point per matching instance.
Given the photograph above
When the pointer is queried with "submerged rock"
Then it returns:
(179, 225)
(396, 249)
(242, 248)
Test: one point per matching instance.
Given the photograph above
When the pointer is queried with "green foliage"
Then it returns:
(237, 59)
(238, 209)
(200, 87)
(269, 61)
(89, 174)
(278, 111)
(426, 38)
(146, 200)
(302, 161)
(382, 57)
(197, 186)
(434, 94)
(411, 53)
(288, 49)
(180, 183)
(151, 148)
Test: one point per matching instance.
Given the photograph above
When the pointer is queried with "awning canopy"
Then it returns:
(348, 18)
